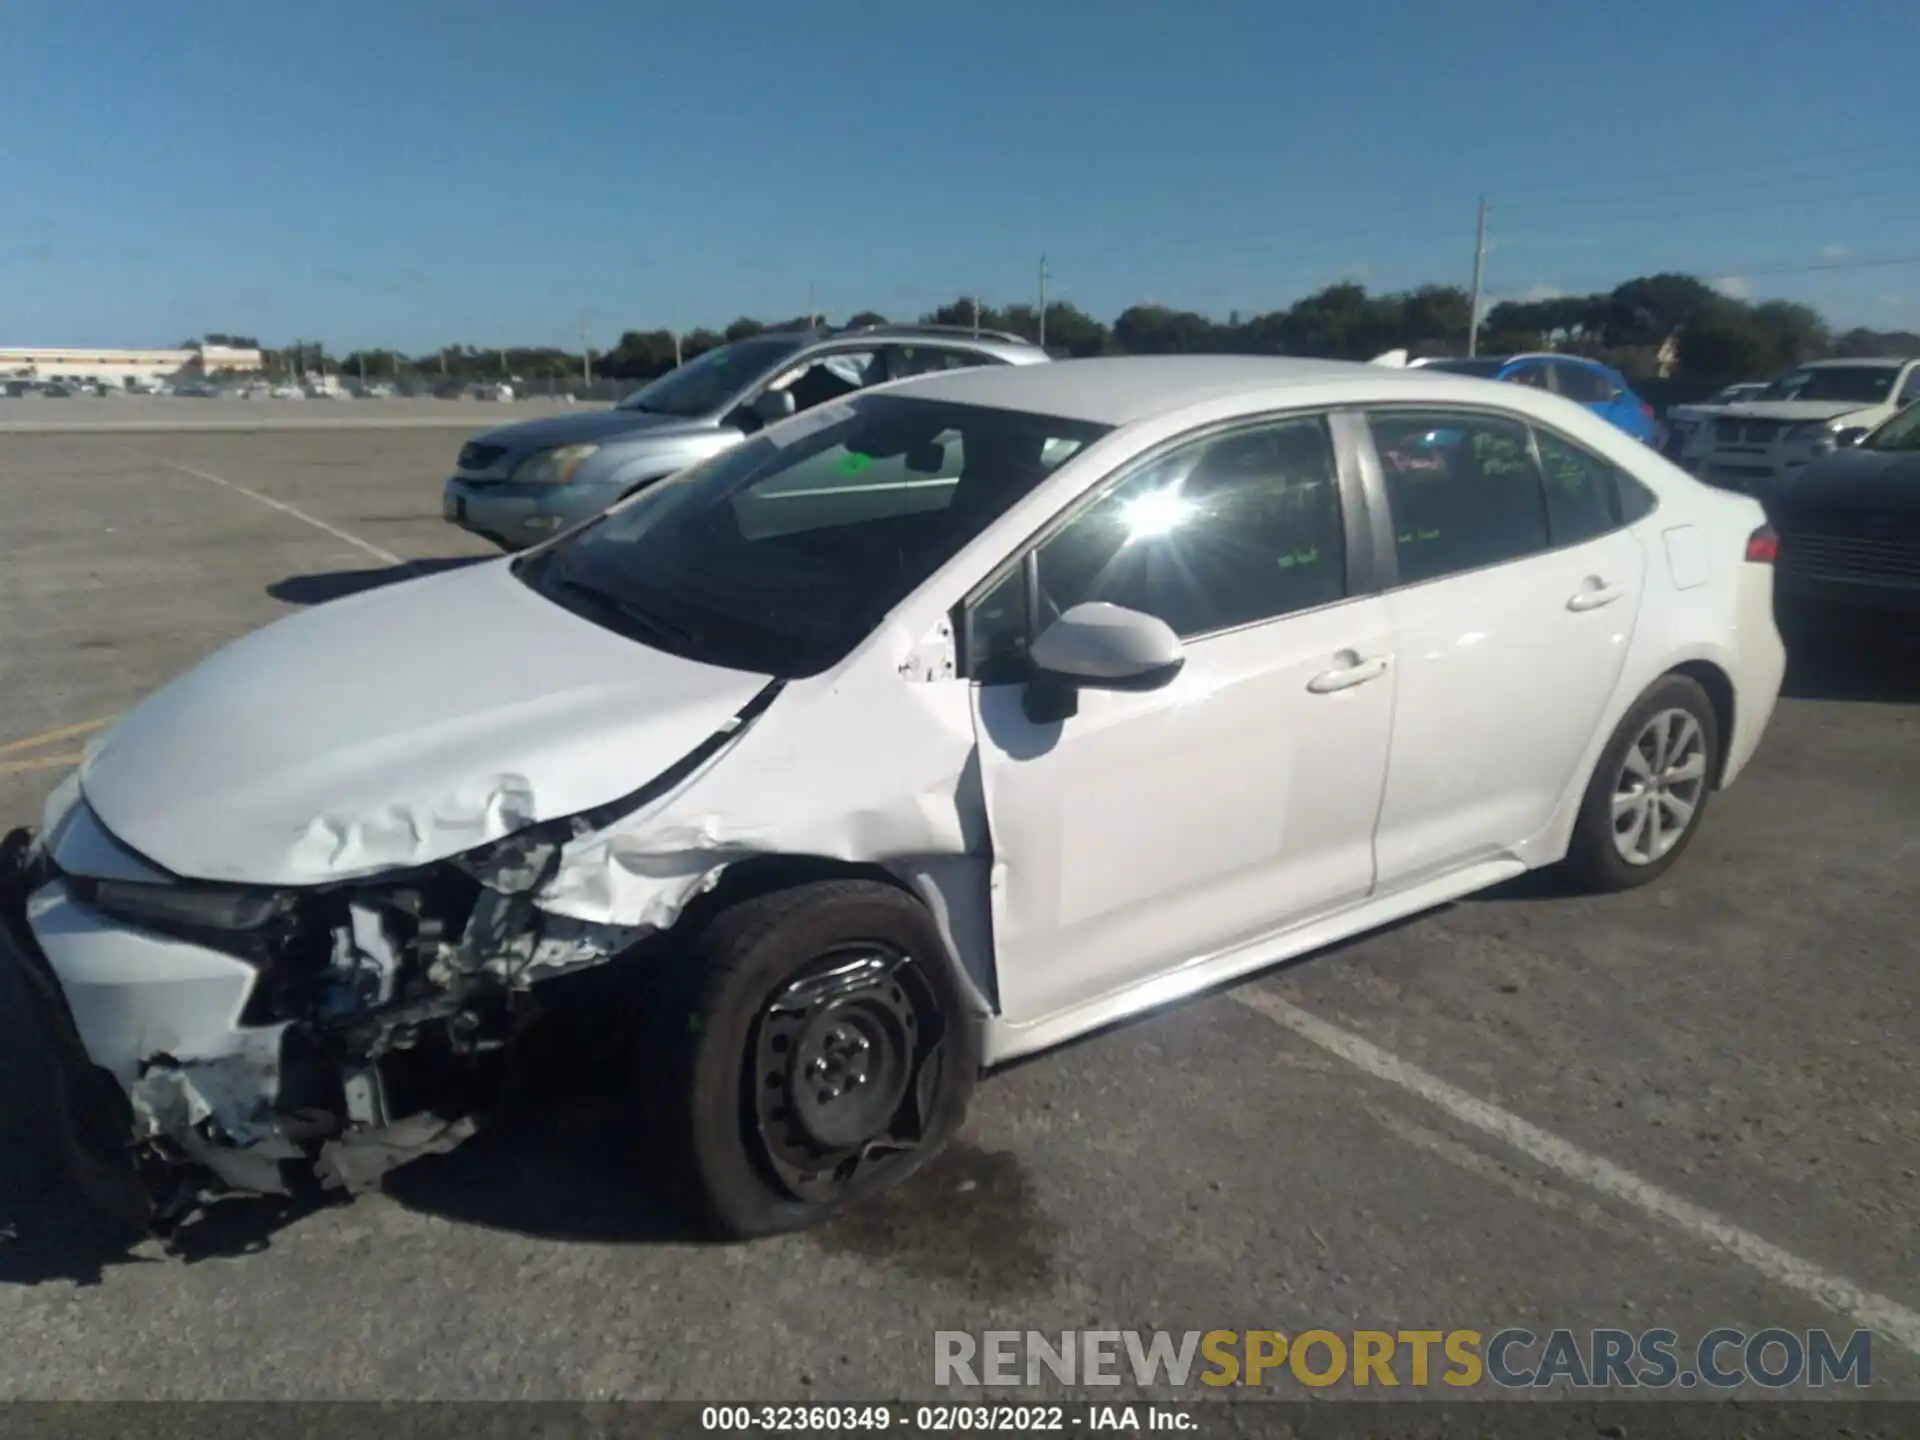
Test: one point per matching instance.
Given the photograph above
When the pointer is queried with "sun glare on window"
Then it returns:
(1151, 516)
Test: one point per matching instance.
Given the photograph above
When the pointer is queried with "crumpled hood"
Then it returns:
(1793, 411)
(599, 426)
(395, 728)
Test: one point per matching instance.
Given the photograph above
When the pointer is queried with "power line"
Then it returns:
(1874, 264)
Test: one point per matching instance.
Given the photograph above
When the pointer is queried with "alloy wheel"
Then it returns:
(1658, 790)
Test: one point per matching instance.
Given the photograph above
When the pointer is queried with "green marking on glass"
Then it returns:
(854, 463)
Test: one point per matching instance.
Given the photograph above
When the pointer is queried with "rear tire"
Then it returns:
(810, 1048)
(1649, 791)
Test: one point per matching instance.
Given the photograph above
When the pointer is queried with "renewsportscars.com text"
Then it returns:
(1511, 1358)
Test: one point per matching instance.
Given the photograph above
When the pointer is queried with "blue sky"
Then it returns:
(413, 172)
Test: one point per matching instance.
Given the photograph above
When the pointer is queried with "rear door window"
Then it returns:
(1462, 489)
(1582, 492)
(905, 361)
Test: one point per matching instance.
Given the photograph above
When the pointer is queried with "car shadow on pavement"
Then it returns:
(556, 1172)
(567, 1172)
(48, 1233)
(1836, 654)
(327, 585)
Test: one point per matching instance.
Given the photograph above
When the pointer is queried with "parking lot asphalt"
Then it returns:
(1690, 1106)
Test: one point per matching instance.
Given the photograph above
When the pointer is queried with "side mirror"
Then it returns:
(771, 406)
(1097, 646)
(1852, 435)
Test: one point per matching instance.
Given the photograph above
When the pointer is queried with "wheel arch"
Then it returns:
(935, 886)
(1719, 687)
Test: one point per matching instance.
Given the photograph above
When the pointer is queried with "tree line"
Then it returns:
(1671, 334)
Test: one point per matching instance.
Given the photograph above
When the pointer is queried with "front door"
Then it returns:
(1515, 601)
(1152, 829)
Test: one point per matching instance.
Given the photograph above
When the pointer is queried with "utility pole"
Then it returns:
(974, 302)
(810, 305)
(1479, 264)
(1043, 302)
(362, 357)
(676, 350)
(503, 364)
(586, 350)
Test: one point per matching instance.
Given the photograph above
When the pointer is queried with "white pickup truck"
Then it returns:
(1812, 411)
(1682, 420)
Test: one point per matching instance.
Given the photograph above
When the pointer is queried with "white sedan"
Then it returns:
(923, 731)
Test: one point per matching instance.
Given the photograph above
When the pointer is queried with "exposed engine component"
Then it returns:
(377, 1026)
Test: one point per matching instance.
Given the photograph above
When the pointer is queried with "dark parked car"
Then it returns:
(1849, 524)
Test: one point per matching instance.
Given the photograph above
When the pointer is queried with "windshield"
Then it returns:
(779, 555)
(1486, 368)
(1900, 433)
(705, 383)
(1835, 382)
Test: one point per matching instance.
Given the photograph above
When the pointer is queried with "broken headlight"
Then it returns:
(167, 906)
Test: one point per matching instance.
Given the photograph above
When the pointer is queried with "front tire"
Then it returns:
(812, 1047)
(1648, 794)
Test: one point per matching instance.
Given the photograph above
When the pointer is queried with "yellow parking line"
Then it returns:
(65, 732)
(40, 762)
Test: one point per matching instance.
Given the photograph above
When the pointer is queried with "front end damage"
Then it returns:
(374, 1030)
(314, 1030)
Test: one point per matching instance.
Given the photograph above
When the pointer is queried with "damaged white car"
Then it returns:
(922, 731)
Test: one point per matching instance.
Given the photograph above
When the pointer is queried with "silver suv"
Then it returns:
(519, 484)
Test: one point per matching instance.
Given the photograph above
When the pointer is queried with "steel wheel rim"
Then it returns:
(842, 1069)
(1657, 792)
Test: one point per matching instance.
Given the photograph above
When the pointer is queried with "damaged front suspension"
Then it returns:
(377, 1031)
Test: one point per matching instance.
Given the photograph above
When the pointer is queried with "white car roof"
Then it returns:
(1119, 390)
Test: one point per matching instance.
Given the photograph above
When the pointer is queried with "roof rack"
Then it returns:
(918, 329)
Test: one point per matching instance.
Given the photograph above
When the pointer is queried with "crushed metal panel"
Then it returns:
(355, 1163)
(861, 768)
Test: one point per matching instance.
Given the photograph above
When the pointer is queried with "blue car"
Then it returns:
(1600, 388)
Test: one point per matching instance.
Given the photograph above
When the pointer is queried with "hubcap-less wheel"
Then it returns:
(843, 1069)
(1658, 790)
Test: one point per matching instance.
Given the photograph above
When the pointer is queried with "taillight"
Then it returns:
(1763, 546)
(1646, 410)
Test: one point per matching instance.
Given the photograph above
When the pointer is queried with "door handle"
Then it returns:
(1352, 671)
(1594, 594)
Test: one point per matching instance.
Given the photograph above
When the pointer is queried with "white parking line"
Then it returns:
(1877, 1313)
(366, 546)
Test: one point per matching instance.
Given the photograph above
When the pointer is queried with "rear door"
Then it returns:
(1516, 590)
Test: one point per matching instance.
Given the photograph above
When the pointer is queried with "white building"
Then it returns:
(123, 367)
